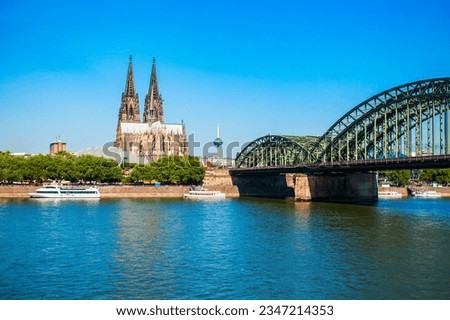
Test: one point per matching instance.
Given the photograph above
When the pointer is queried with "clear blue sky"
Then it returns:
(256, 67)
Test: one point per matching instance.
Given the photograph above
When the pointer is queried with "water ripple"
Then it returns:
(237, 249)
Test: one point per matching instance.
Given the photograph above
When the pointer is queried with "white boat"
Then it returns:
(426, 194)
(389, 195)
(204, 194)
(56, 191)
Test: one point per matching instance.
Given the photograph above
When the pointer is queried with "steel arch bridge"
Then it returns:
(410, 120)
(274, 150)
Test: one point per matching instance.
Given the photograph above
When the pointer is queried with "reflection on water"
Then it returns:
(237, 249)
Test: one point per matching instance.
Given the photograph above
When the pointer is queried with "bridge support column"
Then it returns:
(267, 185)
(326, 187)
(336, 187)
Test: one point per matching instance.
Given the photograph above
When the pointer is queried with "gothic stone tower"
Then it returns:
(153, 110)
(129, 107)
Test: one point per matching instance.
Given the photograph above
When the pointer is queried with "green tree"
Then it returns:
(171, 170)
(111, 171)
(435, 175)
(62, 166)
(12, 168)
(401, 177)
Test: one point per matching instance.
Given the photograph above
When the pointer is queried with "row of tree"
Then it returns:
(65, 166)
(403, 177)
(172, 170)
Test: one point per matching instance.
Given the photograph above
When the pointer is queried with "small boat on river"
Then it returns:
(426, 194)
(56, 191)
(389, 195)
(204, 194)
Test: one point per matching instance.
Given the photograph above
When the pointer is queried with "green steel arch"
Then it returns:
(406, 121)
(276, 150)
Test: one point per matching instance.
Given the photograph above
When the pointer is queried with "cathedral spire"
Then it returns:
(153, 109)
(153, 81)
(129, 86)
(129, 107)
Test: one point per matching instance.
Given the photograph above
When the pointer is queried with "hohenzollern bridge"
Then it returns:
(405, 127)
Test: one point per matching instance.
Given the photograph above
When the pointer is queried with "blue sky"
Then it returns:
(255, 67)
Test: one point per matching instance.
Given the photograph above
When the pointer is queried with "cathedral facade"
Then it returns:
(146, 141)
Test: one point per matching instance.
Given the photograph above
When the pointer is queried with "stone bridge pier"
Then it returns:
(352, 187)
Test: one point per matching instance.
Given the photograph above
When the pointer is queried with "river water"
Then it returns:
(233, 249)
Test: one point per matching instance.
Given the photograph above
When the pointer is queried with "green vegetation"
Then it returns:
(171, 170)
(441, 176)
(400, 177)
(65, 166)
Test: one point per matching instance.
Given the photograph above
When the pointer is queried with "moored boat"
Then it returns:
(204, 194)
(426, 194)
(56, 191)
(389, 195)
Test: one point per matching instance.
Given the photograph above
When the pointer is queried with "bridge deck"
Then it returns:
(421, 162)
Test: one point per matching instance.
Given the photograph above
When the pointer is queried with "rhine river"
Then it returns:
(233, 249)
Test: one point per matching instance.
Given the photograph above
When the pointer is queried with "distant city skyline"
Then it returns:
(255, 67)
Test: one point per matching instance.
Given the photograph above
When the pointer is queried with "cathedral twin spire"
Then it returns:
(148, 140)
(153, 108)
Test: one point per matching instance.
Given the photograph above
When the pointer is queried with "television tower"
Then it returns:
(218, 142)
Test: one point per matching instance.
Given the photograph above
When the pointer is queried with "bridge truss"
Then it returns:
(411, 120)
(274, 150)
(405, 121)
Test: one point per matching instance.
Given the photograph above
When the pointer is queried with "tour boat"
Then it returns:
(204, 194)
(426, 194)
(56, 191)
(389, 195)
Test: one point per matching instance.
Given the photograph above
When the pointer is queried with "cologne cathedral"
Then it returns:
(153, 138)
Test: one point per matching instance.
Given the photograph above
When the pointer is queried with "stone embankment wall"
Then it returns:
(16, 191)
(402, 190)
(220, 180)
(215, 180)
(217, 177)
(157, 192)
(147, 191)
(114, 192)
(21, 191)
